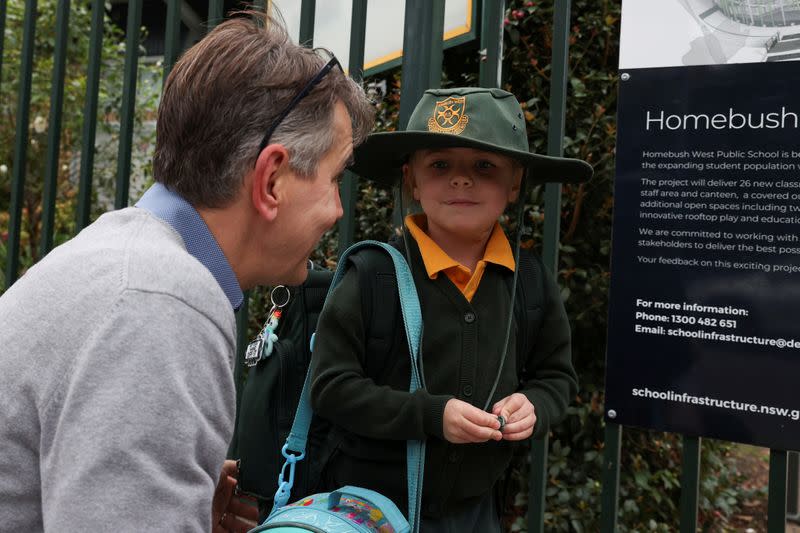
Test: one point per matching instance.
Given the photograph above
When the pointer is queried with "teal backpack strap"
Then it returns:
(412, 320)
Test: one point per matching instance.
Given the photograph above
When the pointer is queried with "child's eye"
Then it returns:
(484, 164)
(439, 164)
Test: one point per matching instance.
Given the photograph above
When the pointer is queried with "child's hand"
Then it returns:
(519, 414)
(466, 423)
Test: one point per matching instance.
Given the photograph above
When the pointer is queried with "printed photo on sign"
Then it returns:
(671, 33)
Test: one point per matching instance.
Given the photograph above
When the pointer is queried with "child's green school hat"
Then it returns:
(473, 117)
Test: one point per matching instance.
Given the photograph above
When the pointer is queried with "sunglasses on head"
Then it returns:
(333, 62)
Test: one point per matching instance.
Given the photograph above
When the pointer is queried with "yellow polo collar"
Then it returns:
(498, 251)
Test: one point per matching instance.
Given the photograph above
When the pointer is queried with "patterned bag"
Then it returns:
(347, 510)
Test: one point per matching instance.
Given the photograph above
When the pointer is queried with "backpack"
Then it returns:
(529, 305)
(354, 509)
(269, 396)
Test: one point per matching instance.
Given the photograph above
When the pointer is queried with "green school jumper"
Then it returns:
(365, 393)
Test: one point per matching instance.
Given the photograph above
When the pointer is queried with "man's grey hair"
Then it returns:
(223, 95)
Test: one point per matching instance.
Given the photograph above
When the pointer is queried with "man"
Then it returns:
(117, 348)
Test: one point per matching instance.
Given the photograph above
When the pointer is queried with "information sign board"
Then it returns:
(704, 315)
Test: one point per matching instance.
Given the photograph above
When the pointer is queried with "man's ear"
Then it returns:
(268, 178)
(516, 183)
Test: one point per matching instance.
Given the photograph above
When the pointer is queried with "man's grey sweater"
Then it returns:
(116, 390)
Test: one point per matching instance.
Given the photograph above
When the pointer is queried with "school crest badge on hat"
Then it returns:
(449, 116)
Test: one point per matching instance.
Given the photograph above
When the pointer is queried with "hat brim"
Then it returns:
(382, 155)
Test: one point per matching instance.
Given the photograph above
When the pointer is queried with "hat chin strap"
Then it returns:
(523, 193)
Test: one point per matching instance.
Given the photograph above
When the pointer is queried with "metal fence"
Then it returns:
(421, 69)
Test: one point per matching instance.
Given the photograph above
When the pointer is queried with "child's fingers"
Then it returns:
(514, 403)
(498, 407)
(508, 405)
(467, 432)
(522, 413)
(475, 433)
(480, 426)
(518, 436)
(466, 423)
(519, 426)
(480, 418)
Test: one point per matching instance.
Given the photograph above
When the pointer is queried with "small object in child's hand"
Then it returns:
(502, 421)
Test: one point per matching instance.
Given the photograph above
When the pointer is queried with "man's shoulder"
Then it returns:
(125, 270)
(132, 250)
(156, 261)
(87, 267)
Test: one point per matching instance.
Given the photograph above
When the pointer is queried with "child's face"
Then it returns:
(462, 191)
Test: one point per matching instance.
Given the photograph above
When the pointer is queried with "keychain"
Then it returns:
(262, 346)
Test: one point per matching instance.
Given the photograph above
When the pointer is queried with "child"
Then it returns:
(463, 158)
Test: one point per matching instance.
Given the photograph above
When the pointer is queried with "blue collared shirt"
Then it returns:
(173, 209)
